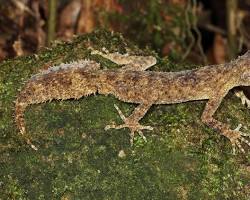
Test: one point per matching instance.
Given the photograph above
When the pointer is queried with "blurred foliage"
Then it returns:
(155, 23)
(183, 29)
(164, 26)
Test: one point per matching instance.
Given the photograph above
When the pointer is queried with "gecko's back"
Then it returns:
(129, 86)
(163, 87)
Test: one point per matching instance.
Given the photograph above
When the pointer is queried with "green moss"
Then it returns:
(77, 159)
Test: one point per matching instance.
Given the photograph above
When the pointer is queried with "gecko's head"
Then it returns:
(243, 65)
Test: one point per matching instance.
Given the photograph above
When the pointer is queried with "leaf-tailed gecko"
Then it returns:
(131, 83)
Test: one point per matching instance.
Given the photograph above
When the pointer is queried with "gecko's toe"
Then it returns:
(114, 126)
(34, 147)
(147, 128)
(138, 128)
(239, 146)
(238, 127)
(245, 141)
(142, 135)
(31, 145)
(107, 127)
(234, 148)
(244, 134)
(132, 135)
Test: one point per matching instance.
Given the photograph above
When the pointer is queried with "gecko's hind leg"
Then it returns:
(235, 136)
(132, 122)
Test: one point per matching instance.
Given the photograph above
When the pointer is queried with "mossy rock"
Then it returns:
(77, 159)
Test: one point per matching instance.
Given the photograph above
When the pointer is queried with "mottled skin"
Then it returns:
(134, 85)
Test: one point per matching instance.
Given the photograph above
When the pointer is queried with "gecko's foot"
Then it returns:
(133, 126)
(236, 137)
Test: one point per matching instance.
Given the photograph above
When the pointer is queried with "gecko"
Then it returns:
(133, 84)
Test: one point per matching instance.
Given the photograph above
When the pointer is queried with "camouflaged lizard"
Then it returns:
(133, 84)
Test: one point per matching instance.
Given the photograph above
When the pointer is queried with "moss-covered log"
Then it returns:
(77, 159)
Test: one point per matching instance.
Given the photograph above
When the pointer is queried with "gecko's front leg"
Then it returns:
(235, 136)
(132, 122)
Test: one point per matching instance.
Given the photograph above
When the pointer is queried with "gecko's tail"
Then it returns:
(20, 122)
(19, 115)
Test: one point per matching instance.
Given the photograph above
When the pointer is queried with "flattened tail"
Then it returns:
(19, 115)
(20, 122)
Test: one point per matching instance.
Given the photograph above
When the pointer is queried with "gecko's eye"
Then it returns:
(245, 76)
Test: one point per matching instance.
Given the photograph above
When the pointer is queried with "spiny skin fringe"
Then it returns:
(64, 66)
